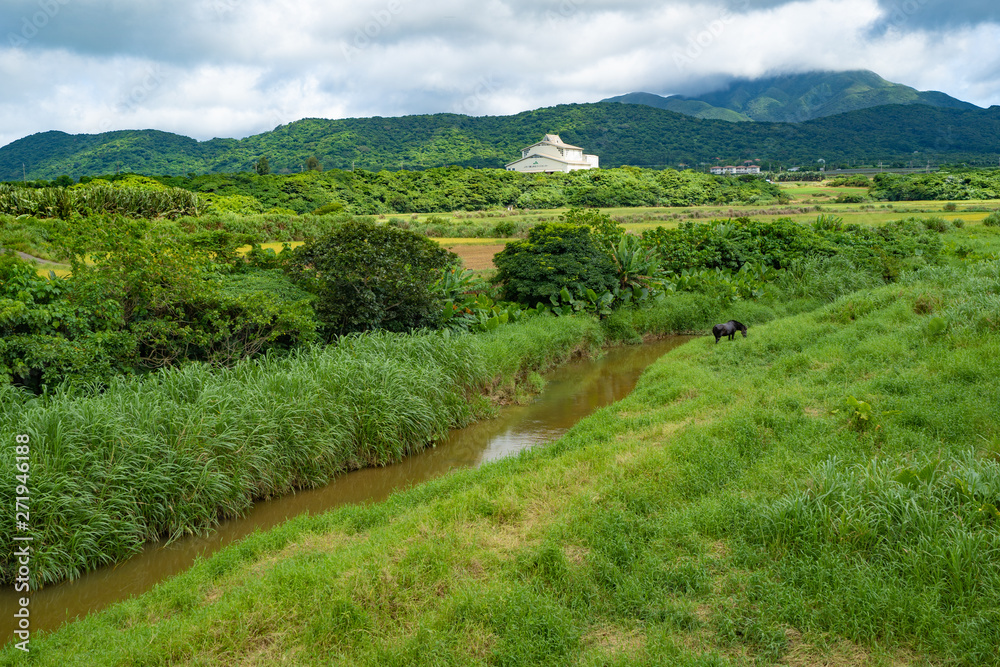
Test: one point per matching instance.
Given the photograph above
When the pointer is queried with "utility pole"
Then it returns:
(24, 173)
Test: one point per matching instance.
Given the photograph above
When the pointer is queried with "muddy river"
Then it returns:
(572, 392)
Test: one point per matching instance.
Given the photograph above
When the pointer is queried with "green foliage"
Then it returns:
(455, 189)
(780, 244)
(860, 414)
(31, 235)
(46, 338)
(728, 245)
(242, 205)
(468, 305)
(992, 220)
(171, 453)
(554, 257)
(826, 222)
(605, 231)
(620, 134)
(144, 199)
(855, 181)
(372, 276)
(176, 301)
(983, 184)
(637, 266)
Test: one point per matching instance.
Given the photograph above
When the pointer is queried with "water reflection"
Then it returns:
(571, 393)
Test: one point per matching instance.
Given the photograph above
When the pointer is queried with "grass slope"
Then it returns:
(822, 492)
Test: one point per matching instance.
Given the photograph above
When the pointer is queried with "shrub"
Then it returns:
(172, 298)
(555, 256)
(992, 220)
(937, 224)
(850, 198)
(370, 276)
(857, 180)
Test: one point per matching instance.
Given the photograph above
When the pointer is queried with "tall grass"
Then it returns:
(174, 452)
(734, 509)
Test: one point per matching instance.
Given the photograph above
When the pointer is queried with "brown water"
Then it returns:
(571, 393)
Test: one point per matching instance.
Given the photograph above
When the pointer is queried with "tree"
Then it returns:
(371, 276)
(554, 256)
(263, 167)
(312, 164)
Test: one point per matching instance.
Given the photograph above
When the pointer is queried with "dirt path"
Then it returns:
(32, 258)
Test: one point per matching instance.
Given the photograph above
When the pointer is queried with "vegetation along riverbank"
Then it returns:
(822, 492)
(169, 381)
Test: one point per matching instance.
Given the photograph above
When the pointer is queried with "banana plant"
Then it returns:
(637, 266)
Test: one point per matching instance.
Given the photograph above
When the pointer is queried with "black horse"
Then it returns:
(728, 329)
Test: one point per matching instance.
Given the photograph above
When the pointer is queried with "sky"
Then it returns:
(233, 68)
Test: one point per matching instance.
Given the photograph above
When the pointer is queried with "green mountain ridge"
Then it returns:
(794, 98)
(621, 134)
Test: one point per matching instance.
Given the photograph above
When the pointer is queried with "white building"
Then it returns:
(745, 169)
(551, 154)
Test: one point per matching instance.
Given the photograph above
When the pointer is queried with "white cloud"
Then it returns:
(209, 68)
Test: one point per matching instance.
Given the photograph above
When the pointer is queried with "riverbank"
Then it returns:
(822, 492)
(172, 453)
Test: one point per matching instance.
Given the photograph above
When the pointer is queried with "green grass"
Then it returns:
(174, 452)
(735, 509)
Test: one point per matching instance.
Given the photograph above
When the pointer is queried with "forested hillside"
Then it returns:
(794, 98)
(621, 134)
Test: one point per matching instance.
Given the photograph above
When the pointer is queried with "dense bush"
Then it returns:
(439, 189)
(369, 276)
(46, 338)
(857, 181)
(140, 298)
(729, 245)
(936, 186)
(554, 257)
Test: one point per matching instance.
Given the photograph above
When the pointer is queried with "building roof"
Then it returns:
(554, 140)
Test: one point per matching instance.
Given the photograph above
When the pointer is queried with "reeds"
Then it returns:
(175, 452)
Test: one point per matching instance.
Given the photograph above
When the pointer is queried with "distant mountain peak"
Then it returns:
(794, 98)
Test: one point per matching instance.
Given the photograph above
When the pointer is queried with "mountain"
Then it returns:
(621, 134)
(794, 98)
(684, 105)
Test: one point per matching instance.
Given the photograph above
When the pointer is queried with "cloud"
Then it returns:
(209, 68)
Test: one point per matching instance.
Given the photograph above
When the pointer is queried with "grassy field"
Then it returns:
(824, 492)
(807, 201)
